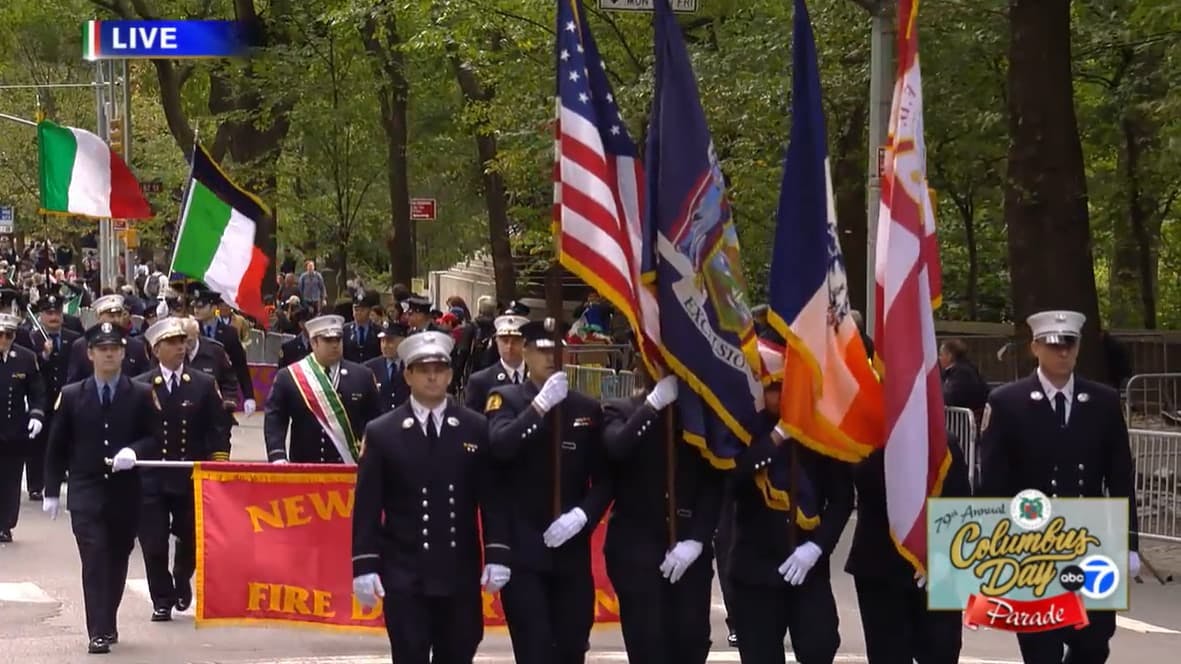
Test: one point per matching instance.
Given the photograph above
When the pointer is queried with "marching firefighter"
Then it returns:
(109, 309)
(324, 399)
(1063, 435)
(664, 586)
(205, 303)
(22, 420)
(297, 348)
(51, 341)
(425, 487)
(192, 428)
(387, 368)
(510, 370)
(360, 336)
(102, 425)
(549, 605)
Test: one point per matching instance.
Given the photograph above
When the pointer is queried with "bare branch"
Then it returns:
(631, 54)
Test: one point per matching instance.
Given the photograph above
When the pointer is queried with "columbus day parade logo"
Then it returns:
(1029, 563)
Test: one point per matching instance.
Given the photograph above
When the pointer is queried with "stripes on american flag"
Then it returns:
(907, 276)
(598, 179)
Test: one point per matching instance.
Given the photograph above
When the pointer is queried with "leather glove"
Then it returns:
(34, 428)
(564, 527)
(124, 460)
(249, 406)
(679, 558)
(1133, 564)
(552, 392)
(52, 507)
(367, 588)
(664, 393)
(795, 569)
(495, 577)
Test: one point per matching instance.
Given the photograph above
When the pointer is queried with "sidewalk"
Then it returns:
(1165, 557)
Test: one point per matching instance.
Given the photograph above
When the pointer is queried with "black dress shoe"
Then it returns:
(163, 614)
(732, 640)
(5, 535)
(112, 638)
(35, 495)
(99, 645)
(184, 597)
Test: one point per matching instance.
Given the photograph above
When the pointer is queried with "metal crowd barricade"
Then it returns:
(272, 346)
(1153, 400)
(1156, 456)
(255, 346)
(600, 382)
(962, 423)
(613, 356)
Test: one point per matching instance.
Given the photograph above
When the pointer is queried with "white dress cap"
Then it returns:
(9, 323)
(165, 328)
(429, 346)
(325, 326)
(509, 325)
(108, 303)
(1054, 327)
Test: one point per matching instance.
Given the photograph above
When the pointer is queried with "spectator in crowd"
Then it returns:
(963, 386)
(288, 288)
(312, 290)
(596, 312)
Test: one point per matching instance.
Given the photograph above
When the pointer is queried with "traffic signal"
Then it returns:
(115, 134)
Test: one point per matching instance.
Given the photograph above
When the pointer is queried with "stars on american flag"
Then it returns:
(585, 89)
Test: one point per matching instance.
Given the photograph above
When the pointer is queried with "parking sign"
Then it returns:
(7, 218)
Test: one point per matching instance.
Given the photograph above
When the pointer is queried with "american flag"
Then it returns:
(598, 179)
(907, 275)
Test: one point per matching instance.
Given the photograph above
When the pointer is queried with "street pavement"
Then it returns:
(41, 615)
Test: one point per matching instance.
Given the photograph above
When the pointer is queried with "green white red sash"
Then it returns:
(321, 398)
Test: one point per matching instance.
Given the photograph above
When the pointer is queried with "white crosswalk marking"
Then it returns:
(24, 591)
(1142, 627)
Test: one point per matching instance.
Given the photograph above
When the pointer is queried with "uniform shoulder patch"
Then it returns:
(495, 401)
(985, 417)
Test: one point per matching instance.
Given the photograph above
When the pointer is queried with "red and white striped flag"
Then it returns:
(907, 292)
(598, 181)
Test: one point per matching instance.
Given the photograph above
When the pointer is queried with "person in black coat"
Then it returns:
(103, 425)
(205, 304)
(51, 343)
(426, 486)
(23, 392)
(294, 350)
(1063, 435)
(893, 602)
(387, 368)
(509, 370)
(361, 343)
(663, 577)
(192, 428)
(549, 605)
(109, 309)
(963, 386)
(779, 567)
(354, 390)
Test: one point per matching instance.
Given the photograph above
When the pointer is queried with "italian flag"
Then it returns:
(222, 233)
(80, 175)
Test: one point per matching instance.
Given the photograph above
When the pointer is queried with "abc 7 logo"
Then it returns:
(1096, 577)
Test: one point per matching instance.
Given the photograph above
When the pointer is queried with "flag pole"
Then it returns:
(670, 480)
(18, 120)
(793, 534)
(180, 219)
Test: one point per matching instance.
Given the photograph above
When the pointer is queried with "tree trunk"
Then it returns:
(495, 197)
(1050, 253)
(848, 169)
(1141, 208)
(383, 44)
(973, 293)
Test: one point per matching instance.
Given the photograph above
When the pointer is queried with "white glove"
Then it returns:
(664, 393)
(162, 308)
(367, 588)
(920, 581)
(552, 393)
(779, 431)
(124, 460)
(279, 461)
(495, 577)
(795, 569)
(34, 428)
(564, 527)
(52, 507)
(679, 558)
(249, 406)
(1133, 564)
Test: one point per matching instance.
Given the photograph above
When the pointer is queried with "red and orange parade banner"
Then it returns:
(274, 548)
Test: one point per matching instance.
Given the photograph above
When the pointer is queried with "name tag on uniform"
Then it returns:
(684, 513)
(186, 403)
(19, 375)
(569, 445)
(470, 448)
(355, 396)
(582, 421)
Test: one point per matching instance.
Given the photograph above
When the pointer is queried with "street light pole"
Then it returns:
(881, 99)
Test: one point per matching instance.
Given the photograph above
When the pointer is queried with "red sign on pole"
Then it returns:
(423, 209)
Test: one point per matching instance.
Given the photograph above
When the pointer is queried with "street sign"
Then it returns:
(7, 219)
(683, 6)
(153, 187)
(423, 209)
(119, 224)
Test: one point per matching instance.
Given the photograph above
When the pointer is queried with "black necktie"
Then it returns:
(360, 336)
(1060, 408)
(172, 384)
(106, 395)
(57, 342)
(389, 371)
(209, 331)
(432, 433)
(516, 378)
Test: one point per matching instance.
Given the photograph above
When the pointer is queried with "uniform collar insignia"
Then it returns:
(1037, 395)
(500, 376)
(408, 422)
(453, 421)
(344, 372)
(1083, 397)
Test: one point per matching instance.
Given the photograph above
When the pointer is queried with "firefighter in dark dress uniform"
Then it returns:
(664, 590)
(360, 336)
(509, 370)
(354, 385)
(102, 426)
(549, 606)
(776, 589)
(109, 309)
(418, 314)
(425, 486)
(1063, 435)
(192, 428)
(20, 380)
(294, 350)
(387, 367)
(892, 600)
(53, 356)
(205, 304)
